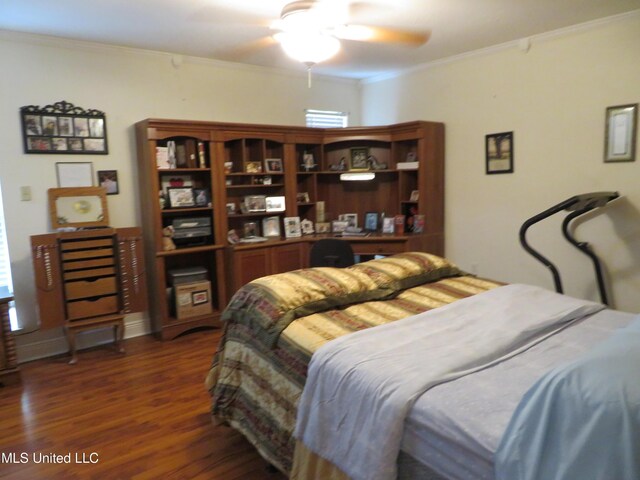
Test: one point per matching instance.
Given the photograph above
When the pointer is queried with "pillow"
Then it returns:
(407, 270)
(268, 304)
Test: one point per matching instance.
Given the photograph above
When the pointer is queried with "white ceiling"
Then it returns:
(230, 30)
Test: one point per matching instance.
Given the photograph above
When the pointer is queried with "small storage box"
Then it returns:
(187, 275)
(192, 299)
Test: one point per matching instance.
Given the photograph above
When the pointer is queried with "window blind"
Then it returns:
(5, 265)
(326, 119)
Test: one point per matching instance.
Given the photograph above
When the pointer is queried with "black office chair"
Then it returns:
(331, 252)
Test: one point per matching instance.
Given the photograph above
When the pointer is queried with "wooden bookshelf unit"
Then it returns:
(235, 162)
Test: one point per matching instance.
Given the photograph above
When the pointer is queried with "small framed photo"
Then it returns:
(109, 180)
(359, 159)
(201, 197)
(65, 126)
(339, 226)
(273, 165)
(271, 227)
(251, 230)
(199, 297)
(388, 225)
(266, 180)
(253, 167)
(350, 218)
(74, 174)
(620, 138)
(371, 221)
(231, 208)
(292, 227)
(411, 157)
(180, 197)
(306, 226)
(323, 227)
(308, 162)
(80, 127)
(499, 153)
(275, 204)
(255, 203)
(415, 195)
(302, 197)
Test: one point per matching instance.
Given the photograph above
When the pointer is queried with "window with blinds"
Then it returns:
(5, 266)
(326, 119)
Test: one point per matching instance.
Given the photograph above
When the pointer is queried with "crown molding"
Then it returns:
(542, 37)
(172, 58)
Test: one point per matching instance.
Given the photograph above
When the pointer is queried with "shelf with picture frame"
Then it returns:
(236, 161)
(180, 156)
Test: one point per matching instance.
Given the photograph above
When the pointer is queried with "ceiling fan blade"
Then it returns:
(246, 49)
(365, 33)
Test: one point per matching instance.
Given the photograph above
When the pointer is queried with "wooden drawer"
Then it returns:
(92, 308)
(84, 264)
(85, 244)
(85, 254)
(94, 272)
(378, 248)
(90, 288)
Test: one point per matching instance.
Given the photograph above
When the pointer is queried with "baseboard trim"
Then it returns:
(57, 345)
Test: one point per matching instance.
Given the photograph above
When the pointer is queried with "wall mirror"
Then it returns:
(78, 207)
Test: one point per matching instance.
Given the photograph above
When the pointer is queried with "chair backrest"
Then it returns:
(331, 252)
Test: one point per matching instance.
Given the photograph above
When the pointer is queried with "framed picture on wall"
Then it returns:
(499, 152)
(109, 180)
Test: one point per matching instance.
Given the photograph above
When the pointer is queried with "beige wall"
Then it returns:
(554, 98)
(128, 86)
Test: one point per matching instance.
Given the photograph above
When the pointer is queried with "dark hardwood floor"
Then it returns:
(141, 415)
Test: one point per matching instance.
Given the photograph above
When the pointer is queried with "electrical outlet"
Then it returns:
(25, 194)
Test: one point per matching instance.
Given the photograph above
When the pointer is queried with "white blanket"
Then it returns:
(360, 387)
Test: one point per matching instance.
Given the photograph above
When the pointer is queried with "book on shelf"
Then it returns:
(407, 165)
(162, 157)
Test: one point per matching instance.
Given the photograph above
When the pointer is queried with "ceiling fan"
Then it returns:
(310, 31)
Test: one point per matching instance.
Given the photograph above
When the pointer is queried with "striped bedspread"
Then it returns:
(256, 380)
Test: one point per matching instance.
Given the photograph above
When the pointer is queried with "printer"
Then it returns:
(191, 231)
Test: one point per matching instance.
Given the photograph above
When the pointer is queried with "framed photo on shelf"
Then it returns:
(339, 226)
(371, 221)
(358, 159)
(306, 226)
(271, 227)
(388, 225)
(255, 203)
(275, 204)
(74, 174)
(231, 208)
(273, 165)
(350, 218)
(415, 195)
(302, 197)
(323, 227)
(250, 230)
(308, 162)
(201, 197)
(620, 138)
(253, 167)
(292, 227)
(499, 153)
(180, 197)
(109, 180)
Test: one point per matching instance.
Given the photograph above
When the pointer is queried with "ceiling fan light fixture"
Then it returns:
(308, 47)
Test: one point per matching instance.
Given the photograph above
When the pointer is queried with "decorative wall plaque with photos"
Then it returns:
(63, 128)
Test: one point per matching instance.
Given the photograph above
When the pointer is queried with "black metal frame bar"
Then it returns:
(578, 206)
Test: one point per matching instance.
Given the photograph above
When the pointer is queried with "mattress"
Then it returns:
(455, 428)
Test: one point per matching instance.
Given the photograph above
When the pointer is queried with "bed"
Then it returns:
(274, 325)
